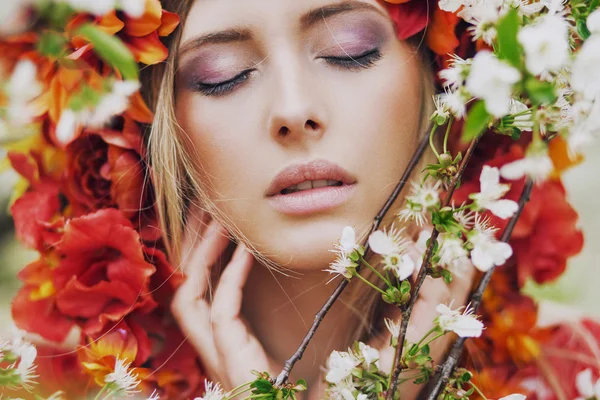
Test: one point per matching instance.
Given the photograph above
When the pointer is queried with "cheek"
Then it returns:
(221, 144)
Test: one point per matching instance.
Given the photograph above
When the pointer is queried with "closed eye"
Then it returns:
(360, 61)
(224, 87)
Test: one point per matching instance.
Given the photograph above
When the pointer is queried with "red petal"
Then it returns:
(30, 211)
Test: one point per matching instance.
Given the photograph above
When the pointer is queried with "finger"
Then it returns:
(196, 223)
(190, 306)
(238, 348)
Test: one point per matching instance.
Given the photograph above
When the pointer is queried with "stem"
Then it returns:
(376, 272)
(447, 134)
(100, 392)
(431, 134)
(232, 394)
(434, 338)
(476, 297)
(407, 310)
(478, 391)
(359, 276)
(289, 364)
(425, 337)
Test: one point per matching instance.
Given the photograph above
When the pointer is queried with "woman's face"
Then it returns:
(313, 92)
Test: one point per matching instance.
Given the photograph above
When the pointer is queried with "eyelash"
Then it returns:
(352, 63)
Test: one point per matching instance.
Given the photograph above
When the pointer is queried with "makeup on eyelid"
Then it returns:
(341, 37)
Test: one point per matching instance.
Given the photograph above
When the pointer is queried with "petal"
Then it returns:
(481, 260)
(381, 243)
(489, 178)
(348, 240)
(514, 170)
(503, 208)
(584, 383)
(169, 23)
(406, 267)
(467, 326)
(500, 252)
(147, 23)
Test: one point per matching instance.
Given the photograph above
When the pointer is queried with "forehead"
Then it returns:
(208, 16)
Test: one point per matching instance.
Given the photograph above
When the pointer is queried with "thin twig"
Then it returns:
(407, 309)
(476, 297)
(289, 364)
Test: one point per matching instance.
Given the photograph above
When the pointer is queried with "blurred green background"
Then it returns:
(576, 288)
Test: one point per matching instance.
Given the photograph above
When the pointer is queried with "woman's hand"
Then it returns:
(226, 345)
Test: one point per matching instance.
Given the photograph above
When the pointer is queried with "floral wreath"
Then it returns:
(517, 79)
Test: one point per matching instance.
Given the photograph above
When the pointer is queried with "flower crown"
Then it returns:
(517, 78)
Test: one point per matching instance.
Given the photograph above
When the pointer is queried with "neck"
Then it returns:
(281, 309)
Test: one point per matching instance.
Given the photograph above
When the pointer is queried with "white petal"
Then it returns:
(468, 326)
(406, 267)
(514, 397)
(481, 260)
(381, 243)
(67, 124)
(514, 170)
(489, 178)
(593, 21)
(348, 240)
(500, 252)
(503, 208)
(584, 383)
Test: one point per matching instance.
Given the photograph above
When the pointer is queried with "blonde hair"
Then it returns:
(178, 186)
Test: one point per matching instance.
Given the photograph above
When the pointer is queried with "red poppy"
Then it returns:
(103, 274)
(106, 169)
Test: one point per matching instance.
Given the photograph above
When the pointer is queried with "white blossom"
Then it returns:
(393, 327)
(452, 253)
(348, 240)
(26, 367)
(492, 80)
(342, 265)
(369, 354)
(536, 165)
(546, 44)
(450, 5)
(133, 8)
(585, 77)
(587, 388)
(520, 115)
(491, 192)
(110, 104)
(487, 250)
(122, 381)
(441, 113)
(391, 245)
(213, 391)
(464, 324)
(453, 102)
(585, 116)
(340, 365)
(593, 21)
(514, 396)
(456, 73)
(154, 395)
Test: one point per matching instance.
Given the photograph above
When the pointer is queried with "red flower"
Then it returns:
(103, 275)
(546, 234)
(107, 170)
(32, 214)
(34, 307)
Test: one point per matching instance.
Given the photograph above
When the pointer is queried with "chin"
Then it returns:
(305, 244)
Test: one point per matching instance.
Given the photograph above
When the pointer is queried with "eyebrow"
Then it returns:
(308, 20)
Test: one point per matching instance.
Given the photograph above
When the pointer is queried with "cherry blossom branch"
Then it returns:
(408, 308)
(476, 297)
(289, 364)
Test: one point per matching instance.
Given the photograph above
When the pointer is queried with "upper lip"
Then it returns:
(312, 171)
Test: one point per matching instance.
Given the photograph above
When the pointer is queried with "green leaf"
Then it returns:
(447, 275)
(405, 287)
(540, 92)
(112, 50)
(51, 44)
(476, 121)
(509, 48)
(582, 29)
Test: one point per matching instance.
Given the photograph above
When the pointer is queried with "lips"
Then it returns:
(305, 189)
(313, 175)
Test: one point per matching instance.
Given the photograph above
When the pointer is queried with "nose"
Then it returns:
(297, 110)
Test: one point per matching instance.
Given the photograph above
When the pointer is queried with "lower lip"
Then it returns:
(311, 201)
